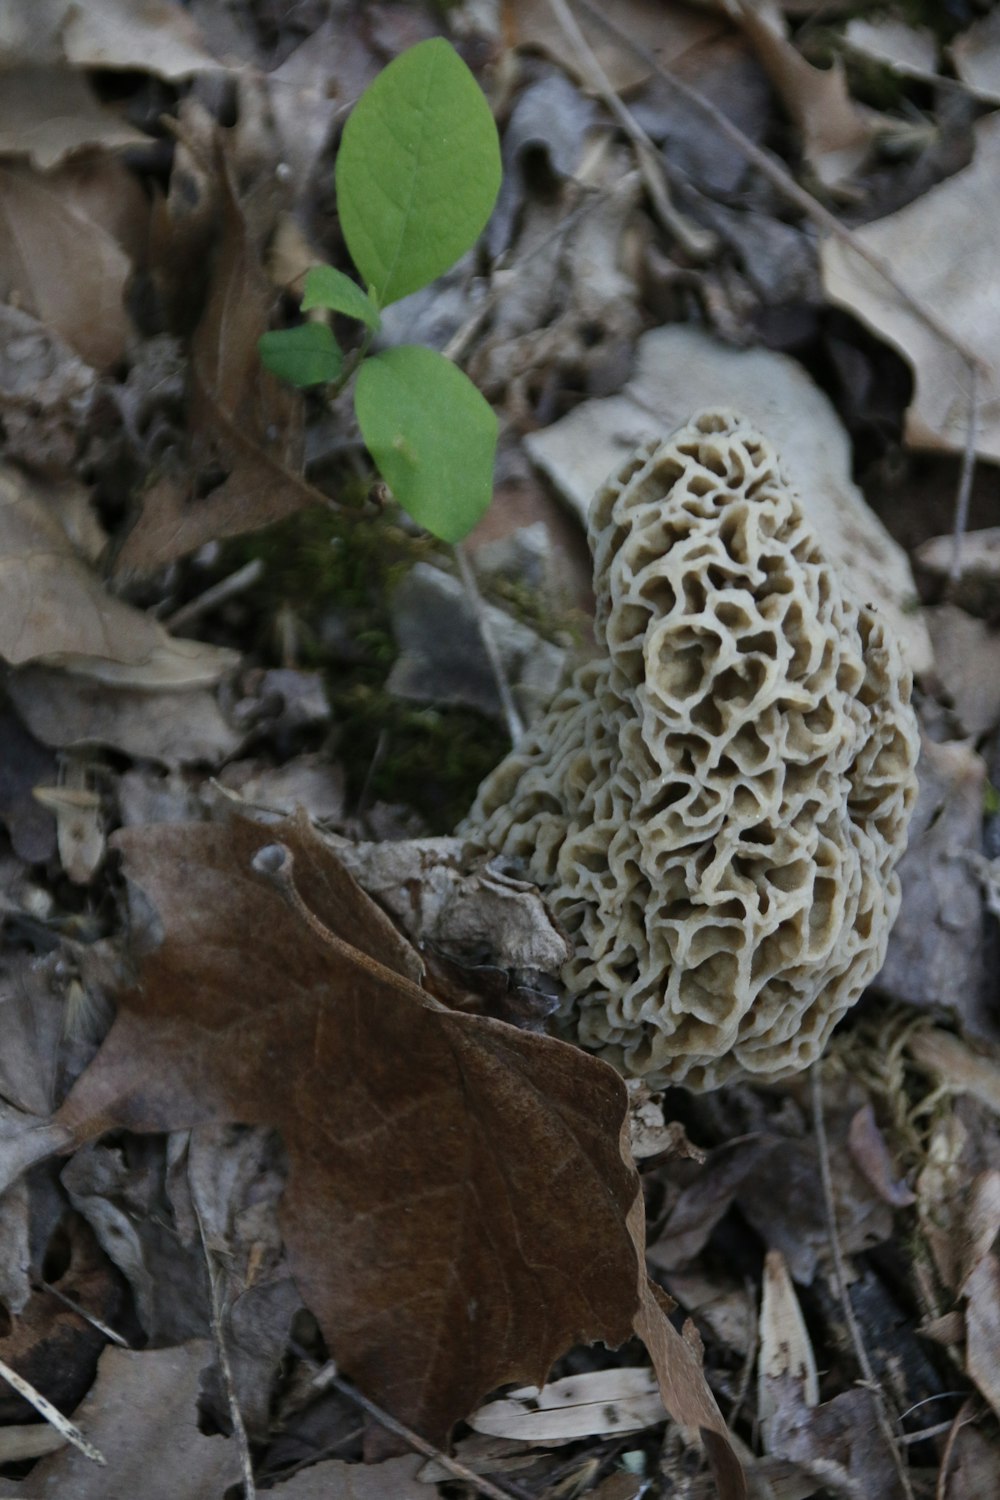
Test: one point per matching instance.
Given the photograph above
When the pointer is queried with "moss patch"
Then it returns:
(326, 587)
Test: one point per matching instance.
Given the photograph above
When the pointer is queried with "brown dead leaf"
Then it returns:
(171, 726)
(456, 1208)
(150, 36)
(842, 1445)
(957, 1065)
(671, 31)
(46, 220)
(836, 131)
(677, 1361)
(942, 250)
(47, 114)
(142, 1415)
(54, 608)
(871, 1153)
(333, 1480)
(242, 419)
(965, 656)
(971, 1463)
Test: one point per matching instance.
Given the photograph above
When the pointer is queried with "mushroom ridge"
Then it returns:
(715, 807)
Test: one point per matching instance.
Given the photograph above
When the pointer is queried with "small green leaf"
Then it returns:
(418, 170)
(326, 287)
(307, 355)
(432, 435)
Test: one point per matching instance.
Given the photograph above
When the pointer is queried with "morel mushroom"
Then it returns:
(715, 807)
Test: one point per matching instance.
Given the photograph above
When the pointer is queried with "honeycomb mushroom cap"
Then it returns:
(716, 805)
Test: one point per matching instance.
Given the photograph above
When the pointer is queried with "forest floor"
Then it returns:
(295, 1185)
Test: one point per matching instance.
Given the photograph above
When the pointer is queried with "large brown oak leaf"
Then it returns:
(457, 1209)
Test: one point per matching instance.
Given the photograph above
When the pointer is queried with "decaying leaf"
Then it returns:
(786, 1364)
(151, 36)
(941, 249)
(56, 610)
(976, 56)
(961, 1069)
(600, 1402)
(333, 1480)
(673, 32)
(180, 725)
(45, 221)
(142, 1416)
(836, 131)
(46, 114)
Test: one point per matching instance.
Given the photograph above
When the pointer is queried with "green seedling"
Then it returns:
(417, 175)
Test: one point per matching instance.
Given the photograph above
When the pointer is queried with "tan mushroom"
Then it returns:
(715, 806)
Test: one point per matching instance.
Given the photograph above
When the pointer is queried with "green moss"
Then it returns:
(321, 565)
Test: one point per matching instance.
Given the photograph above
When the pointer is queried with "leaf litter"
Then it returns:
(304, 1136)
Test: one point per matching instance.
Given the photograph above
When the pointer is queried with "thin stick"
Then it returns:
(515, 726)
(226, 588)
(484, 1486)
(840, 1280)
(81, 1312)
(218, 1334)
(54, 1418)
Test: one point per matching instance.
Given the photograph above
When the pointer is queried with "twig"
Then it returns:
(54, 1418)
(840, 1280)
(218, 1334)
(965, 480)
(81, 1312)
(243, 578)
(515, 727)
(696, 242)
(484, 1486)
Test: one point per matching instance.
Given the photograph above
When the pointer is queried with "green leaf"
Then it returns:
(307, 355)
(418, 170)
(326, 287)
(432, 435)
